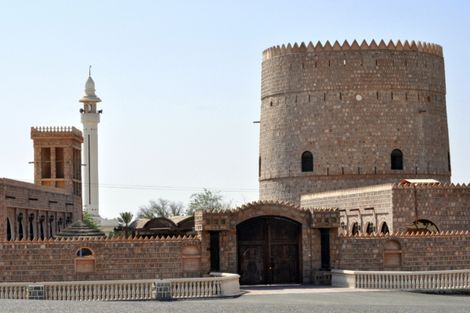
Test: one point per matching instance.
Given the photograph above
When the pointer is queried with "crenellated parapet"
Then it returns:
(55, 131)
(116, 239)
(398, 235)
(311, 47)
(433, 186)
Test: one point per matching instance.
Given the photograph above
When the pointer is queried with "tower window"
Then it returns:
(397, 160)
(259, 166)
(59, 162)
(307, 161)
(46, 162)
(448, 161)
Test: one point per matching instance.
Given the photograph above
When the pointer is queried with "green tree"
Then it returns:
(124, 220)
(161, 208)
(207, 200)
(89, 221)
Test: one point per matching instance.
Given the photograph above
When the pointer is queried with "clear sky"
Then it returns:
(180, 82)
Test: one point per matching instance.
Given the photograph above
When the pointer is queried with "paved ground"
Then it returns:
(311, 302)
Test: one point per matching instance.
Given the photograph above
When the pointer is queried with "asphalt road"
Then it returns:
(363, 302)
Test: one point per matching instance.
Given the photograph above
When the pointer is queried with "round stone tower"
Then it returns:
(349, 115)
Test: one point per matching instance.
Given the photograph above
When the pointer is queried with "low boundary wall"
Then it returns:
(419, 280)
(218, 285)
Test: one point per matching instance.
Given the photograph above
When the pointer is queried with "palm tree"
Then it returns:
(125, 219)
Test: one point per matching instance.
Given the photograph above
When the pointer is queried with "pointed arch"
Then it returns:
(20, 226)
(8, 229)
(355, 228)
(384, 229)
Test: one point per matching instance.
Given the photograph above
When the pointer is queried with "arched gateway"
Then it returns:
(268, 250)
(269, 242)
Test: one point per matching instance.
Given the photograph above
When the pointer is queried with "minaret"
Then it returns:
(90, 119)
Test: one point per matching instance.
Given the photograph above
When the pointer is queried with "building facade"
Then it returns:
(40, 210)
(354, 174)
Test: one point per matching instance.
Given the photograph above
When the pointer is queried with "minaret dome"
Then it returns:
(90, 96)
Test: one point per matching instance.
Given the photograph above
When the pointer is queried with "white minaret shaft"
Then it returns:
(90, 120)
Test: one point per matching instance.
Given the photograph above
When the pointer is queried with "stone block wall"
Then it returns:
(446, 205)
(226, 223)
(423, 252)
(112, 259)
(351, 106)
(364, 205)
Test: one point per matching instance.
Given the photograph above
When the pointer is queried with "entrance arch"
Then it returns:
(269, 250)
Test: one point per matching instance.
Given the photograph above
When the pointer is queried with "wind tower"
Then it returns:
(90, 117)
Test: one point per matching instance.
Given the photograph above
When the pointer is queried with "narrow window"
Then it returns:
(51, 223)
(344, 62)
(307, 161)
(448, 161)
(59, 162)
(316, 64)
(340, 96)
(396, 160)
(20, 226)
(391, 95)
(59, 224)
(41, 227)
(324, 96)
(384, 229)
(406, 96)
(377, 95)
(271, 104)
(329, 62)
(8, 230)
(31, 226)
(303, 66)
(259, 166)
(46, 162)
(355, 229)
(429, 98)
(325, 248)
(370, 228)
(215, 250)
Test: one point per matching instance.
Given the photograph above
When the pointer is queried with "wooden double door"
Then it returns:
(268, 251)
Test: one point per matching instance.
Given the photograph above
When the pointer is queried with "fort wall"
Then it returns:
(351, 106)
(445, 205)
(112, 259)
(34, 201)
(405, 252)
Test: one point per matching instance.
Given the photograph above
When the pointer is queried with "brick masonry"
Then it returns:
(112, 259)
(18, 197)
(399, 205)
(425, 252)
(350, 106)
(226, 222)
